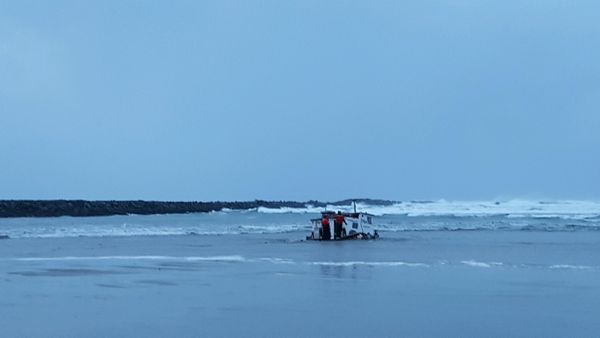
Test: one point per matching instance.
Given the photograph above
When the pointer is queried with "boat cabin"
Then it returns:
(357, 225)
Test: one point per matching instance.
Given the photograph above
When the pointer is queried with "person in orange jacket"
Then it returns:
(325, 229)
(338, 222)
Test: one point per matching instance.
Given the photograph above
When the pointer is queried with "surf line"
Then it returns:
(219, 259)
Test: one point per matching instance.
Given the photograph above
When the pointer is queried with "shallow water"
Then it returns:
(492, 281)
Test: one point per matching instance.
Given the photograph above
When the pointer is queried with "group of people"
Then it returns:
(338, 226)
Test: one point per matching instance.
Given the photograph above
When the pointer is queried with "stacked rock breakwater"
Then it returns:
(52, 208)
(83, 208)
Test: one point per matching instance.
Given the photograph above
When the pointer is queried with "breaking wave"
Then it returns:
(566, 209)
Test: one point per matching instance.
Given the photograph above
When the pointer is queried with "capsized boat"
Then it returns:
(359, 225)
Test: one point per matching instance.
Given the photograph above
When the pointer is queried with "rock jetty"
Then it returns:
(82, 208)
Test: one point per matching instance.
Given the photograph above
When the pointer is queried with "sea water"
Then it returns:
(516, 268)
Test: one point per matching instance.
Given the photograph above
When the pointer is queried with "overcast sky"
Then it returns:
(238, 100)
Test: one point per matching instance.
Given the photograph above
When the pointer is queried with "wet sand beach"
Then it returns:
(490, 284)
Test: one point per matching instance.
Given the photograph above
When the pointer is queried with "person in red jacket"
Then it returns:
(325, 229)
(338, 222)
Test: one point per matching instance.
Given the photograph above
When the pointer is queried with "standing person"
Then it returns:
(325, 229)
(338, 221)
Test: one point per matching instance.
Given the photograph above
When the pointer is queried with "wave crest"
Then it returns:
(566, 209)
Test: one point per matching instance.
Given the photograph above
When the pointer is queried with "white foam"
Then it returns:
(233, 258)
(115, 230)
(477, 264)
(275, 260)
(285, 210)
(274, 228)
(287, 261)
(568, 266)
(224, 258)
(356, 263)
(569, 209)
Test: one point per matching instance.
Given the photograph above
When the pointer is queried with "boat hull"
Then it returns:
(352, 237)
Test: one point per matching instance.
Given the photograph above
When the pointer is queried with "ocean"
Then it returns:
(453, 269)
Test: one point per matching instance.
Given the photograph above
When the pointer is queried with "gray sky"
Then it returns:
(236, 100)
